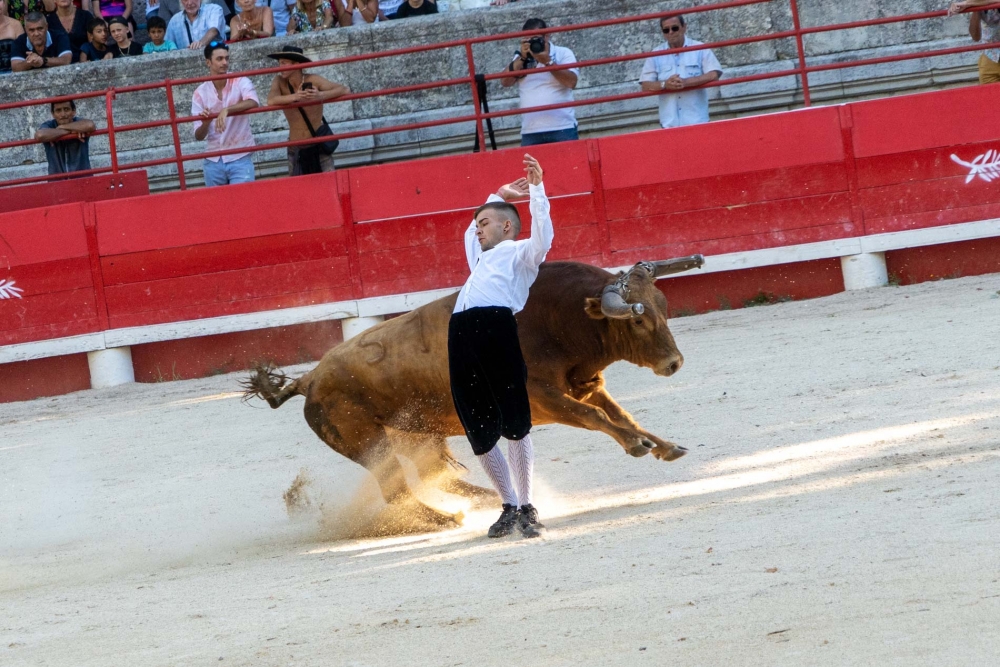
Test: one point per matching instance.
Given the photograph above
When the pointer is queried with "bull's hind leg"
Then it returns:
(439, 468)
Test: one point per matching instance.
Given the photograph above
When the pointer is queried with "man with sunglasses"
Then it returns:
(224, 97)
(679, 75)
(197, 25)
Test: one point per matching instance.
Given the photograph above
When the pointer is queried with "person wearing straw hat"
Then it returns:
(296, 85)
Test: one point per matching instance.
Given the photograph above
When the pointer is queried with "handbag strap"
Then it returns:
(303, 112)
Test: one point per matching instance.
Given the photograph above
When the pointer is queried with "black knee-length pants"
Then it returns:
(488, 376)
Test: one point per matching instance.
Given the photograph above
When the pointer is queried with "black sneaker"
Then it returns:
(504, 526)
(527, 521)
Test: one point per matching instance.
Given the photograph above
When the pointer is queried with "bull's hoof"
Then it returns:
(640, 449)
(669, 453)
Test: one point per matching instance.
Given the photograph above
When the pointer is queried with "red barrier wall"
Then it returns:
(729, 186)
(88, 188)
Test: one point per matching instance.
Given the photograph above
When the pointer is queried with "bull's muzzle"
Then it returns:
(670, 365)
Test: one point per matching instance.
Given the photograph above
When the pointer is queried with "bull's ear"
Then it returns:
(592, 307)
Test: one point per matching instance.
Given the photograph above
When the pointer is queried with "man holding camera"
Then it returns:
(678, 76)
(539, 86)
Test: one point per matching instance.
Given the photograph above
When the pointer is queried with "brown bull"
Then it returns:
(386, 391)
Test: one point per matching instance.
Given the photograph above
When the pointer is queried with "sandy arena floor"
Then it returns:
(840, 505)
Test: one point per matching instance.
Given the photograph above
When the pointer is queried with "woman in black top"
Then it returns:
(72, 21)
(10, 29)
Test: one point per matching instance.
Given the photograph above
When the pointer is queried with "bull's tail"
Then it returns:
(270, 384)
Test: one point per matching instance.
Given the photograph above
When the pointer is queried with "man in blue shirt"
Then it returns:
(37, 48)
(679, 76)
(66, 155)
(197, 25)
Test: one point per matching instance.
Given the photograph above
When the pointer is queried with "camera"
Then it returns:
(536, 44)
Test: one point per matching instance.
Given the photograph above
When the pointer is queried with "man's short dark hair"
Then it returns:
(679, 17)
(94, 23)
(213, 45)
(72, 105)
(154, 22)
(534, 24)
(35, 17)
(504, 209)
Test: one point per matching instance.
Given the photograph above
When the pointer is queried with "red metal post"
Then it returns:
(177, 137)
(475, 97)
(109, 97)
(802, 53)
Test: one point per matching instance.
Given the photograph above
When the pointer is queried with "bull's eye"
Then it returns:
(638, 321)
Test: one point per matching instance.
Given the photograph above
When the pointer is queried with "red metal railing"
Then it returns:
(174, 121)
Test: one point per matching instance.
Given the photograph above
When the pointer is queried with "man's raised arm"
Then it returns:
(515, 190)
(540, 242)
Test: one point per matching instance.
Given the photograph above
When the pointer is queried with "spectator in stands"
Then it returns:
(676, 72)
(311, 15)
(72, 22)
(539, 87)
(10, 30)
(359, 12)
(196, 26)
(167, 9)
(109, 9)
(387, 8)
(36, 48)
(251, 22)
(415, 8)
(123, 45)
(983, 24)
(224, 97)
(19, 9)
(280, 13)
(157, 29)
(96, 47)
(293, 86)
(66, 155)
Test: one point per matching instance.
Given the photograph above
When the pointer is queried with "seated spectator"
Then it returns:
(19, 9)
(538, 87)
(310, 15)
(167, 9)
(387, 8)
(251, 22)
(157, 29)
(280, 13)
(66, 155)
(224, 97)
(123, 45)
(96, 47)
(674, 72)
(36, 48)
(197, 25)
(72, 22)
(9, 31)
(297, 85)
(108, 9)
(415, 8)
(983, 24)
(359, 12)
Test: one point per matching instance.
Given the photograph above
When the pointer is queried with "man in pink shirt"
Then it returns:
(224, 97)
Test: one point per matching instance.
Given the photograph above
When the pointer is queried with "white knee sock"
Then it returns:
(522, 462)
(495, 466)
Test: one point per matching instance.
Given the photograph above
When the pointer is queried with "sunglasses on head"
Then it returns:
(671, 28)
(216, 44)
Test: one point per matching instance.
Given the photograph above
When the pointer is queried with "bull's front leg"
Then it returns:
(559, 407)
(664, 450)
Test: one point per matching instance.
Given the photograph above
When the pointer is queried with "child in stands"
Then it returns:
(157, 28)
(97, 39)
(123, 46)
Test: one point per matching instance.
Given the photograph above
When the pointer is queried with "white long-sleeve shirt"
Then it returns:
(502, 275)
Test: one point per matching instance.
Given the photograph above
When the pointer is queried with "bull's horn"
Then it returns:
(676, 265)
(615, 307)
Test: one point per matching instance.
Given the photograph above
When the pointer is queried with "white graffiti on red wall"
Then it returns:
(8, 291)
(985, 166)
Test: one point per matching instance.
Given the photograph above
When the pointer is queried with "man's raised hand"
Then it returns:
(515, 190)
(533, 169)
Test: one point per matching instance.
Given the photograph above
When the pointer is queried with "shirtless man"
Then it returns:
(297, 85)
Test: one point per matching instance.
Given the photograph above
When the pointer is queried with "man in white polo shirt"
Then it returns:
(673, 73)
(539, 86)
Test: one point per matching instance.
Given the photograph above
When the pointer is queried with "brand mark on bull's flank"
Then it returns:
(8, 291)
(985, 166)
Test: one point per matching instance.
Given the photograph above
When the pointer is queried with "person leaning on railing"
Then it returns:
(984, 25)
(676, 73)
(542, 87)
(9, 31)
(196, 26)
(297, 85)
(37, 49)
(66, 155)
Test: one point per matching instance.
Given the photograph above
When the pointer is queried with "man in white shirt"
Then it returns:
(538, 86)
(197, 25)
(487, 370)
(675, 72)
